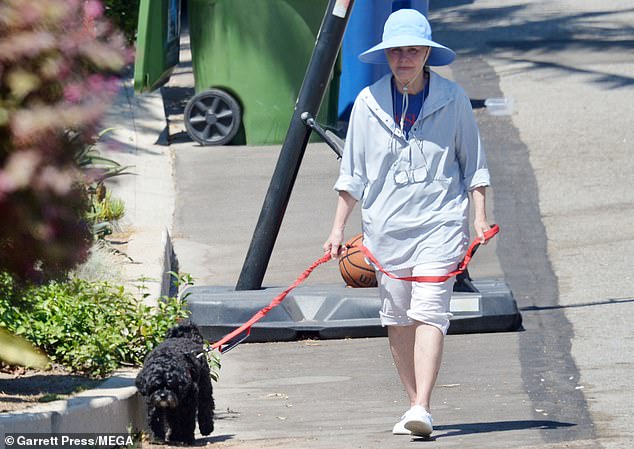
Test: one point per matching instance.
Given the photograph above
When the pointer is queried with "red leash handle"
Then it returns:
(259, 315)
(462, 266)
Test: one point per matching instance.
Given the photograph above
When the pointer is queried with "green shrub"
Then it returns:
(107, 209)
(91, 328)
(104, 210)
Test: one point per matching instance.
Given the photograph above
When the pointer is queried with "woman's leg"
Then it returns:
(396, 296)
(402, 342)
(428, 350)
(430, 312)
(417, 352)
(416, 315)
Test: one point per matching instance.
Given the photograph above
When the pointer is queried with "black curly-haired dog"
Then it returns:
(177, 387)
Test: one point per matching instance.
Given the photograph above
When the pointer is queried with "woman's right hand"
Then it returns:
(345, 203)
(333, 244)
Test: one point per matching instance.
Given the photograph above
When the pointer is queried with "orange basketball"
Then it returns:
(355, 271)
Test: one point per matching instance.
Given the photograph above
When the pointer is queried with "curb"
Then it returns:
(113, 407)
(138, 123)
(150, 258)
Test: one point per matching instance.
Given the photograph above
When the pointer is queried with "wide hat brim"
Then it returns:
(439, 56)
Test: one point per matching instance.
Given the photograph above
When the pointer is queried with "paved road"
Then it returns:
(568, 66)
(560, 166)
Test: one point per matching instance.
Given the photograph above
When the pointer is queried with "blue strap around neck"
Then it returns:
(413, 110)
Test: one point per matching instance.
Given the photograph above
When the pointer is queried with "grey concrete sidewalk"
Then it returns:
(346, 394)
(569, 68)
(337, 393)
(138, 140)
(550, 386)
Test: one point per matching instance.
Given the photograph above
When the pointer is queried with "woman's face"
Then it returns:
(406, 62)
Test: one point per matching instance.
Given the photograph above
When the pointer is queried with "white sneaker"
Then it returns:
(399, 427)
(418, 421)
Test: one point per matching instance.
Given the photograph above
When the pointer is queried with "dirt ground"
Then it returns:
(21, 388)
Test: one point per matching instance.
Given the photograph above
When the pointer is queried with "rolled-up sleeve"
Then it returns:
(352, 174)
(473, 164)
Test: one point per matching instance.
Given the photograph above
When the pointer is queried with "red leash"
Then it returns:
(462, 266)
(245, 329)
(241, 333)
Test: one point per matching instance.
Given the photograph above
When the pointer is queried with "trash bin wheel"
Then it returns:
(212, 117)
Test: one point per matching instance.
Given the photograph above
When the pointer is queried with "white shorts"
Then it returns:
(406, 302)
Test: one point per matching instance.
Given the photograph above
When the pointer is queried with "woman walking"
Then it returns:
(412, 159)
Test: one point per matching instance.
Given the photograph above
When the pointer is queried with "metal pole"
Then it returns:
(310, 96)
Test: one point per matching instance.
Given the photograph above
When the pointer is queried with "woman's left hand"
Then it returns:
(480, 222)
(481, 226)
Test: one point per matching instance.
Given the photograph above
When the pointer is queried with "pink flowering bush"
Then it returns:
(59, 66)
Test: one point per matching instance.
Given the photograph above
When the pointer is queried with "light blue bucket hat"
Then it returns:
(408, 28)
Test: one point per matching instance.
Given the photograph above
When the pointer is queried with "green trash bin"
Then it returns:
(158, 43)
(249, 59)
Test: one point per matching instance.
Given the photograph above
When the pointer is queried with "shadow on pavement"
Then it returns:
(453, 430)
(544, 37)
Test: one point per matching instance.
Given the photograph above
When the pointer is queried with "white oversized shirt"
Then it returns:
(413, 191)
